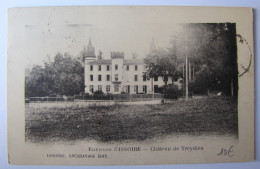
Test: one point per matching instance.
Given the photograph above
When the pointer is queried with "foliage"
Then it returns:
(35, 84)
(63, 76)
(170, 92)
(214, 57)
(211, 51)
(162, 63)
(98, 92)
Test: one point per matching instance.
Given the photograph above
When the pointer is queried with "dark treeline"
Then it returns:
(212, 53)
(63, 76)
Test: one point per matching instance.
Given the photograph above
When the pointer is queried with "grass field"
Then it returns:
(210, 116)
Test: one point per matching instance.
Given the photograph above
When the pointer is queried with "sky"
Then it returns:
(47, 31)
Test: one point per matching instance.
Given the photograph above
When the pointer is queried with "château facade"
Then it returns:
(118, 75)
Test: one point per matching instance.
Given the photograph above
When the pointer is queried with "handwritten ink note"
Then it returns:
(226, 151)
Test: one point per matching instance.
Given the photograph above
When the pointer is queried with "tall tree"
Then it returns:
(213, 52)
(162, 63)
(63, 76)
(211, 49)
(35, 83)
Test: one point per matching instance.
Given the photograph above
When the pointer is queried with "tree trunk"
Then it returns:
(189, 72)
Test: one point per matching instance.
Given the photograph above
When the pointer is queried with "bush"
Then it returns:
(98, 92)
(160, 90)
(98, 95)
(109, 96)
(170, 92)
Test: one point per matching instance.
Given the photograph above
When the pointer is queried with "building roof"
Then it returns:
(100, 62)
(133, 62)
(109, 61)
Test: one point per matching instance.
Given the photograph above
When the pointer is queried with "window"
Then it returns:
(99, 87)
(116, 67)
(91, 77)
(156, 78)
(144, 88)
(108, 77)
(156, 89)
(99, 67)
(91, 67)
(116, 88)
(127, 88)
(108, 88)
(99, 78)
(127, 67)
(144, 76)
(108, 68)
(136, 67)
(136, 77)
(136, 88)
(116, 77)
(91, 88)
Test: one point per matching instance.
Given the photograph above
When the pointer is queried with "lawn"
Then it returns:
(210, 116)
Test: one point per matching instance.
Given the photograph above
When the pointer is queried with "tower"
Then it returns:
(89, 54)
(117, 60)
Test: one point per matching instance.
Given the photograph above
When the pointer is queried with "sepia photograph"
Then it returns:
(187, 87)
(95, 83)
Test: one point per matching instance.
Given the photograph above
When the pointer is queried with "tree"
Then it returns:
(162, 63)
(63, 76)
(35, 83)
(212, 50)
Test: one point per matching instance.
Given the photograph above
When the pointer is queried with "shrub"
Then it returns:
(170, 92)
(98, 95)
(98, 92)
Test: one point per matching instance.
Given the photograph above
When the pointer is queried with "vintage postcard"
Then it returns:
(130, 85)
